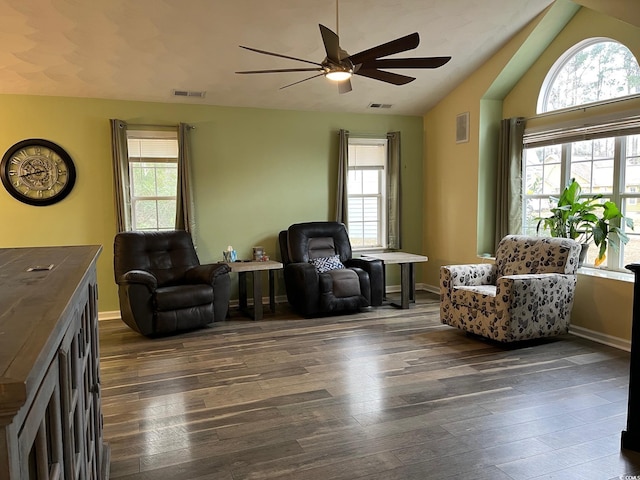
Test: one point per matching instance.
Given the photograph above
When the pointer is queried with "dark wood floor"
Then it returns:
(386, 394)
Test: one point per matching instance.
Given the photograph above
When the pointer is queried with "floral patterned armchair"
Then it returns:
(528, 293)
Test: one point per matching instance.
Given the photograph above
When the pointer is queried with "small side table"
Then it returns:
(407, 273)
(255, 269)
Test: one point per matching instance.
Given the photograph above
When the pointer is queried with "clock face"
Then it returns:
(37, 172)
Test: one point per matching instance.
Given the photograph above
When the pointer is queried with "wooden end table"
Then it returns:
(255, 269)
(407, 272)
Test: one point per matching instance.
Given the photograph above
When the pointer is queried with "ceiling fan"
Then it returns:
(339, 66)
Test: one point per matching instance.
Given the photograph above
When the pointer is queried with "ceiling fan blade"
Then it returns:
(424, 62)
(280, 55)
(388, 77)
(331, 44)
(398, 45)
(344, 86)
(303, 80)
(283, 70)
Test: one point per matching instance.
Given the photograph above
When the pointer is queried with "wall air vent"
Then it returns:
(188, 93)
(380, 105)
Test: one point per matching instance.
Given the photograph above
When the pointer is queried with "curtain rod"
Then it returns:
(365, 134)
(191, 127)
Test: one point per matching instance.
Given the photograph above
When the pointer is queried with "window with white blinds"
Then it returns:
(367, 192)
(598, 127)
(153, 173)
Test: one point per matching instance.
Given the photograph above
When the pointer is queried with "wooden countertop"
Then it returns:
(31, 306)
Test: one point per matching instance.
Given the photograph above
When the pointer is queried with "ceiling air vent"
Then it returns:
(188, 93)
(380, 105)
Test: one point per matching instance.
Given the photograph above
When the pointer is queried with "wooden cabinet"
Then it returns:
(50, 416)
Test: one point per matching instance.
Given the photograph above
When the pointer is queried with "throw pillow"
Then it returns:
(324, 264)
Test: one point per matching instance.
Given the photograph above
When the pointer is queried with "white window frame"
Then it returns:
(165, 154)
(380, 196)
(618, 195)
(558, 66)
(617, 126)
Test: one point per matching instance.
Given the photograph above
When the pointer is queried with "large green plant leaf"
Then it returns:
(584, 218)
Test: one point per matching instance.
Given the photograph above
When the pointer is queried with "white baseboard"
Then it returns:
(603, 338)
(428, 288)
(419, 287)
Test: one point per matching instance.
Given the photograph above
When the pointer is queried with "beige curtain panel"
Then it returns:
(120, 155)
(509, 179)
(343, 172)
(185, 218)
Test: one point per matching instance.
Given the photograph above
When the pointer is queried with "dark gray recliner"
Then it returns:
(355, 284)
(162, 287)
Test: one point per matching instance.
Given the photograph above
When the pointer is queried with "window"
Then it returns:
(602, 154)
(606, 165)
(367, 192)
(594, 70)
(153, 176)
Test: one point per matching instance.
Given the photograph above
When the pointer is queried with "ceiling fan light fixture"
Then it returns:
(338, 66)
(339, 75)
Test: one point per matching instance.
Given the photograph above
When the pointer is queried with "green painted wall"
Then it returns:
(255, 173)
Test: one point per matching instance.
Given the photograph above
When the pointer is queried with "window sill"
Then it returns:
(365, 251)
(609, 274)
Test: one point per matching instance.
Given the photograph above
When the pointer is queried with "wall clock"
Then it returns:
(37, 172)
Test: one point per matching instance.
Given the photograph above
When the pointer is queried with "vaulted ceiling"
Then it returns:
(146, 49)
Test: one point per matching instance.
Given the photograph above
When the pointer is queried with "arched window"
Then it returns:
(594, 70)
(600, 151)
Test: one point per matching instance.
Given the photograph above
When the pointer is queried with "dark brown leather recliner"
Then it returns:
(354, 284)
(162, 287)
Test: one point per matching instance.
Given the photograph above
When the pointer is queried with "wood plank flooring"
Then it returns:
(385, 394)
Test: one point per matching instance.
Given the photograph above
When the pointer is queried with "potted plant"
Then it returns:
(585, 218)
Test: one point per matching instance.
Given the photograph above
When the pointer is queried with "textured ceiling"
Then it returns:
(144, 49)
